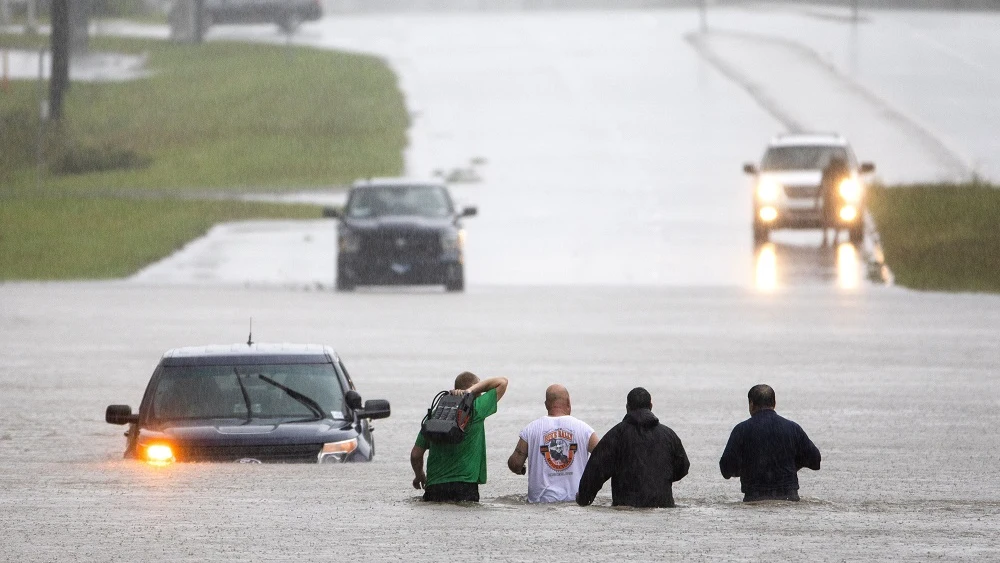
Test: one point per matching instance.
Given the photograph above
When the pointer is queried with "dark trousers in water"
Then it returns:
(452, 492)
(771, 495)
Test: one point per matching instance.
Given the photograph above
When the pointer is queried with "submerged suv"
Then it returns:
(398, 231)
(250, 403)
(787, 185)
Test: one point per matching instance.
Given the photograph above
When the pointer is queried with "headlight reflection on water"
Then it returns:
(848, 266)
(797, 265)
(766, 268)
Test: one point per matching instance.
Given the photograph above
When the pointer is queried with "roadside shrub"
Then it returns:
(120, 8)
(18, 139)
(80, 159)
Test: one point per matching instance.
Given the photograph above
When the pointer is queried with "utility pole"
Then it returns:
(31, 26)
(199, 21)
(854, 11)
(59, 81)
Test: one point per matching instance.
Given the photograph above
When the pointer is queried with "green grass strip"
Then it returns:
(98, 238)
(217, 116)
(940, 237)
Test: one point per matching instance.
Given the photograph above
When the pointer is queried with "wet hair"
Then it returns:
(465, 380)
(638, 398)
(761, 396)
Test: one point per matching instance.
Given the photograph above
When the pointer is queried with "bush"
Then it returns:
(83, 159)
(120, 8)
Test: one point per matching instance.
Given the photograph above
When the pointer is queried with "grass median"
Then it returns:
(941, 237)
(95, 238)
(113, 187)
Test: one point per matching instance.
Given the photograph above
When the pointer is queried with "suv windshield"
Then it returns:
(801, 158)
(191, 392)
(423, 201)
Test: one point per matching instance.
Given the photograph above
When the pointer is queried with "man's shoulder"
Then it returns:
(487, 399)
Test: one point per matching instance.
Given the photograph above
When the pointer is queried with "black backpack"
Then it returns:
(448, 417)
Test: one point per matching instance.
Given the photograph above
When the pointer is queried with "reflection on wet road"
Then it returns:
(780, 265)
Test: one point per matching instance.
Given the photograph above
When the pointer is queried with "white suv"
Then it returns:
(787, 185)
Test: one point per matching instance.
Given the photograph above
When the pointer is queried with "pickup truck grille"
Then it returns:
(399, 244)
(802, 192)
(275, 453)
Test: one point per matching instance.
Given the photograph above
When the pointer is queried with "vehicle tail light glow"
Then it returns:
(768, 214)
(337, 451)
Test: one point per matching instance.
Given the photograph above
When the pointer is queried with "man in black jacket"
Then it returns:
(641, 457)
(766, 451)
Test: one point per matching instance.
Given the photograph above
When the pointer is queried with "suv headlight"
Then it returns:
(156, 453)
(452, 241)
(850, 190)
(768, 190)
(335, 452)
(348, 241)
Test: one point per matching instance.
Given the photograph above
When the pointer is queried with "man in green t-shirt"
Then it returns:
(454, 471)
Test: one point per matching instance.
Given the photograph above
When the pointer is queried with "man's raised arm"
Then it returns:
(498, 383)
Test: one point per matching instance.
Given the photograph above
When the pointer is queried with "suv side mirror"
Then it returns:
(749, 168)
(867, 167)
(353, 399)
(331, 213)
(120, 414)
(469, 212)
(375, 408)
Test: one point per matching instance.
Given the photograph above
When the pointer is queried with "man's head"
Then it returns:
(465, 380)
(557, 400)
(761, 397)
(638, 398)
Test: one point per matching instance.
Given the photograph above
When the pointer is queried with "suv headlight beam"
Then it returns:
(768, 190)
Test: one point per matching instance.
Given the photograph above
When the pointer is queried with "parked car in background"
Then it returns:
(787, 185)
(250, 403)
(287, 14)
(399, 231)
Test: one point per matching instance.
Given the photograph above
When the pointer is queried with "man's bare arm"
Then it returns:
(516, 460)
(594, 439)
(498, 383)
(417, 463)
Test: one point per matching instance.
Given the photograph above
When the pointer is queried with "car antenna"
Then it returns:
(250, 337)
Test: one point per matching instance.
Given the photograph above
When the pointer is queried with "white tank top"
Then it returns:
(557, 455)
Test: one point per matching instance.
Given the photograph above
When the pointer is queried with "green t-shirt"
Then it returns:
(464, 462)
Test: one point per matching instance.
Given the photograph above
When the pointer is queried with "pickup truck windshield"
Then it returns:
(380, 201)
(191, 392)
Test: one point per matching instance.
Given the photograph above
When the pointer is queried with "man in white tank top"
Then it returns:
(556, 448)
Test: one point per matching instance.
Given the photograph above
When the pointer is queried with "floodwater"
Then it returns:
(612, 250)
(898, 389)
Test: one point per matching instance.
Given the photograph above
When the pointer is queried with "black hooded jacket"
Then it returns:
(641, 457)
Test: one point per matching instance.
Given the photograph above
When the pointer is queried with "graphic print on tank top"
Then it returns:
(558, 448)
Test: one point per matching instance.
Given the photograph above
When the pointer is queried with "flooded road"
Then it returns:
(612, 250)
(898, 389)
(613, 141)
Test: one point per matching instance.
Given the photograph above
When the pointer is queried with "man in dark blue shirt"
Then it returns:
(766, 451)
